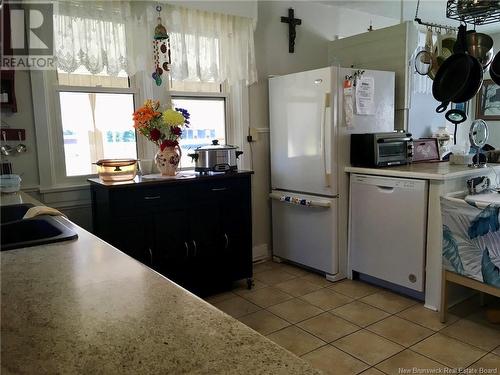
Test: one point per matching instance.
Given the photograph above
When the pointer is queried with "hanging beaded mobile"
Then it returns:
(161, 50)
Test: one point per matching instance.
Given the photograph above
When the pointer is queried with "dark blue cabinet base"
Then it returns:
(196, 232)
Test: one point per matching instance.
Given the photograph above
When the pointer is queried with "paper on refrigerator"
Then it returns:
(348, 104)
(365, 96)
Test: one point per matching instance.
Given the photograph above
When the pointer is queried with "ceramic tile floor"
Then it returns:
(350, 327)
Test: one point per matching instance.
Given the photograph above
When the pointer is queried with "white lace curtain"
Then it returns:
(91, 34)
(210, 46)
(117, 35)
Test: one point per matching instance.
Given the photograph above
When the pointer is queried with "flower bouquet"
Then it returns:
(163, 129)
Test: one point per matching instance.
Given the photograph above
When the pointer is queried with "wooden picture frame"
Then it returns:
(488, 101)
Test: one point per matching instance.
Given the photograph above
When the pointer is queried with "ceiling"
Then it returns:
(429, 10)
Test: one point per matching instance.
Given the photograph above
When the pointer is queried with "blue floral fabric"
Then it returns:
(471, 240)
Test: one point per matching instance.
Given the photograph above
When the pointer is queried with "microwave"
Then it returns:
(381, 149)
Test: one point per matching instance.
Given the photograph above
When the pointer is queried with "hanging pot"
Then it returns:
(495, 69)
(480, 46)
(460, 76)
(423, 59)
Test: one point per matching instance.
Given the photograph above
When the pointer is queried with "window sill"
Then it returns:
(59, 188)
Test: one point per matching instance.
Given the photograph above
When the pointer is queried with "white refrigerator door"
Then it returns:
(306, 235)
(384, 91)
(301, 132)
(381, 121)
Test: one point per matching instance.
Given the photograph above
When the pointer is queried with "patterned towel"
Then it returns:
(471, 240)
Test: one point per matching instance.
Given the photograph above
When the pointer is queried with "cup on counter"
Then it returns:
(145, 166)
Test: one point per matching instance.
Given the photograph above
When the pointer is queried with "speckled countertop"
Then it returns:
(85, 307)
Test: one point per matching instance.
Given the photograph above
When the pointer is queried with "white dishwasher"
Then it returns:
(387, 229)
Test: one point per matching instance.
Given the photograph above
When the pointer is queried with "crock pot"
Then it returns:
(116, 169)
(215, 158)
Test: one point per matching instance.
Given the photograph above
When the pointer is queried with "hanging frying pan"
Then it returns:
(473, 84)
(451, 79)
(495, 69)
(460, 76)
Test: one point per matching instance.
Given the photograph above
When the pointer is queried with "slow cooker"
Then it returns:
(215, 158)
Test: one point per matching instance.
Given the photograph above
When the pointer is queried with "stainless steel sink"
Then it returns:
(41, 230)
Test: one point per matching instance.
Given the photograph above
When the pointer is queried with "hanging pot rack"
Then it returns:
(474, 12)
(434, 26)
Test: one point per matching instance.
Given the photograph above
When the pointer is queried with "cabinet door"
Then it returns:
(205, 234)
(237, 230)
(172, 251)
(130, 235)
(221, 222)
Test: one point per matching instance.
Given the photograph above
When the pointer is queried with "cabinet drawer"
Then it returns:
(220, 189)
(130, 202)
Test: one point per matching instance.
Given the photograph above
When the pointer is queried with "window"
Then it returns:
(95, 119)
(206, 104)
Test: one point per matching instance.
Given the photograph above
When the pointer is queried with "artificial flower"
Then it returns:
(173, 118)
(154, 104)
(164, 129)
(154, 134)
(143, 116)
(176, 130)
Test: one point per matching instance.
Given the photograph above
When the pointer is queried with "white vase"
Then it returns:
(167, 160)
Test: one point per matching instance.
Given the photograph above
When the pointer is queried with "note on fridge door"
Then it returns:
(348, 104)
(365, 96)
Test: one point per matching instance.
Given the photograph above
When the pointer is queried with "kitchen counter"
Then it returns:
(85, 307)
(180, 177)
(425, 171)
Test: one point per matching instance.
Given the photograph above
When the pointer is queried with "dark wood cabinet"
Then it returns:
(196, 232)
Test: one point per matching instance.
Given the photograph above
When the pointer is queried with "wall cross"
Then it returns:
(292, 23)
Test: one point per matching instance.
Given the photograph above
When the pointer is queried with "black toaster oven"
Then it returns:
(381, 149)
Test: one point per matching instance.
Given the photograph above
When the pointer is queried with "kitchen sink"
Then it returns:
(41, 230)
(13, 212)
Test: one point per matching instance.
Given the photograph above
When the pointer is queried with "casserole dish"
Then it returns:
(116, 169)
(215, 158)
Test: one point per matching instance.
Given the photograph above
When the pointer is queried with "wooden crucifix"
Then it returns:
(292, 22)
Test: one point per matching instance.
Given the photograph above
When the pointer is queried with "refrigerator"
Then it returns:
(310, 145)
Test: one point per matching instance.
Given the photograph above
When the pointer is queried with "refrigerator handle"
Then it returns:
(324, 139)
(300, 201)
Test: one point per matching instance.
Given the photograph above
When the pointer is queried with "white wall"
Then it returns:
(320, 24)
